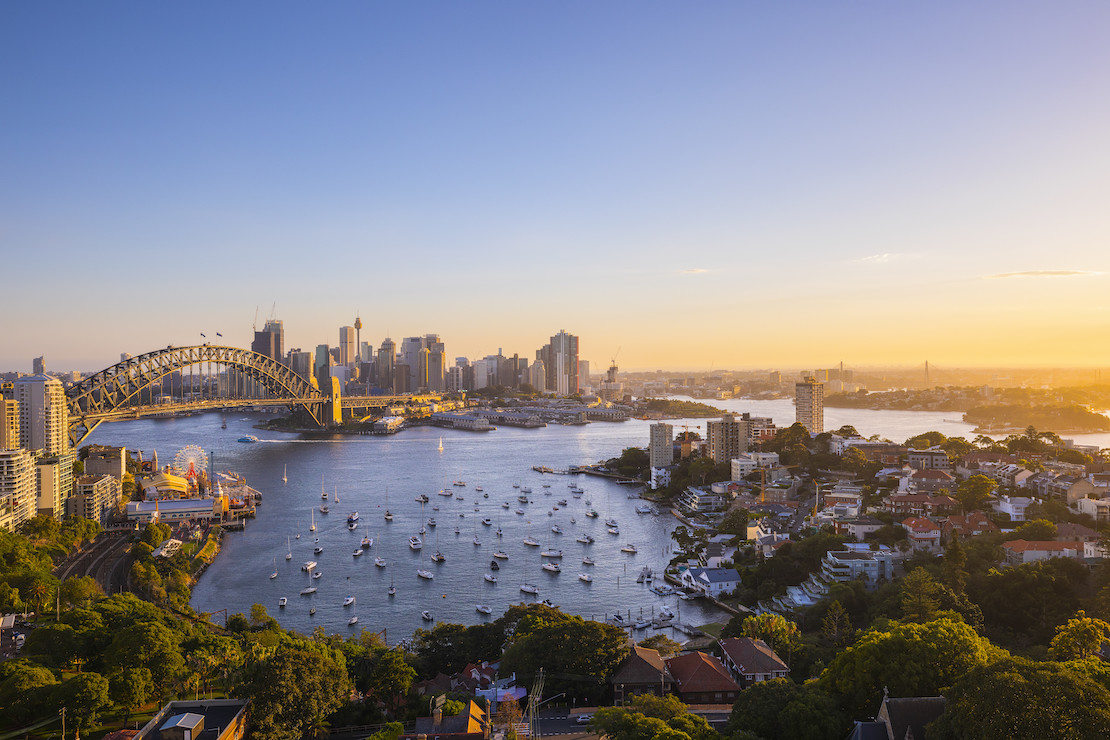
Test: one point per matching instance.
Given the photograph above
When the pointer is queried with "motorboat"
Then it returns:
(312, 612)
(556, 529)
(528, 588)
(367, 542)
(422, 498)
(317, 550)
(525, 489)
(551, 554)
(477, 542)
(324, 509)
(610, 522)
(427, 575)
(490, 578)
(309, 566)
(415, 543)
(520, 512)
(392, 590)
(317, 575)
(352, 621)
(282, 602)
(629, 548)
(585, 577)
(426, 616)
(483, 609)
(501, 555)
(643, 508)
(563, 502)
(643, 624)
(504, 504)
(591, 514)
(522, 499)
(479, 489)
(551, 567)
(432, 522)
(352, 517)
(459, 483)
(550, 603)
(349, 601)
(352, 526)
(487, 522)
(439, 557)
(585, 539)
(357, 552)
(380, 562)
(308, 591)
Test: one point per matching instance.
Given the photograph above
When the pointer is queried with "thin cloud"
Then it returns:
(882, 258)
(693, 271)
(1042, 274)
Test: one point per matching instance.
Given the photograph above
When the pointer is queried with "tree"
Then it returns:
(907, 659)
(149, 645)
(390, 677)
(661, 643)
(130, 688)
(783, 710)
(25, 689)
(836, 627)
(955, 566)
(648, 717)
(774, 629)
(925, 440)
(1080, 638)
(734, 522)
(1021, 699)
(80, 591)
(974, 492)
(920, 596)
(1036, 530)
(294, 690)
(84, 696)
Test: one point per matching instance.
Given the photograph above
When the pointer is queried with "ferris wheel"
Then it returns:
(191, 461)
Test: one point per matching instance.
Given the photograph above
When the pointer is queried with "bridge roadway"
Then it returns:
(211, 404)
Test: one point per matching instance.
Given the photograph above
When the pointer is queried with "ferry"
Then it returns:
(250, 439)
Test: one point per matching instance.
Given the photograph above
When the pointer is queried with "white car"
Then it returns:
(583, 719)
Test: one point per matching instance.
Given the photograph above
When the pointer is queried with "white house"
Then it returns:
(712, 582)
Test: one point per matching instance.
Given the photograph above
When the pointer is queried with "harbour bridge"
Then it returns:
(228, 377)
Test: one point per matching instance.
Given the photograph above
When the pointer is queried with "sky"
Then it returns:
(695, 185)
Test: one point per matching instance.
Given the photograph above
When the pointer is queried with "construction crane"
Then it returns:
(254, 326)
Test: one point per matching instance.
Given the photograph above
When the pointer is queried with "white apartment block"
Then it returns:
(661, 445)
(810, 405)
(17, 488)
(43, 414)
(95, 497)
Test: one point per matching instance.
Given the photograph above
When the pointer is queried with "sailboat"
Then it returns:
(313, 527)
(441, 444)
(289, 555)
(388, 516)
(274, 574)
(323, 493)
(284, 475)
(392, 589)
(337, 494)
(350, 599)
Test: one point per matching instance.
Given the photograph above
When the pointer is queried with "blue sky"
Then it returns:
(700, 184)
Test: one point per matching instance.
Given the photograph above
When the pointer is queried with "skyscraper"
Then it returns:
(560, 360)
(43, 414)
(810, 404)
(270, 341)
(38, 366)
(387, 358)
(661, 446)
(347, 345)
(726, 438)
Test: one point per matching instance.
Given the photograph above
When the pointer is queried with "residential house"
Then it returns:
(1098, 509)
(900, 719)
(751, 661)
(1072, 532)
(1023, 551)
(1013, 475)
(969, 525)
(643, 671)
(697, 500)
(933, 458)
(919, 504)
(923, 533)
(1014, 506)
(470, 724)
(702, 679)
(931, 480)
(218, 719)
(713, 582)
(858, 527)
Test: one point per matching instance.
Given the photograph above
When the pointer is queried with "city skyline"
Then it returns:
(875, 184)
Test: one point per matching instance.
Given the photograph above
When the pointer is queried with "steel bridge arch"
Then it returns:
(106, 394)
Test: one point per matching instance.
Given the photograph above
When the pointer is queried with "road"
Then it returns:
(106, 559)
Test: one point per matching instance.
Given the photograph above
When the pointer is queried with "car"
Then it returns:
(583, 719)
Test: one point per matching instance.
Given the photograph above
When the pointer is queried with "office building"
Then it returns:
(321, 367)
(300, 362)
(9, 424)
(18, 488)
(436, 368)
(387, 359)
(661, 446)
(560, 360)
(810, 405)
(347, 345)
(726, 438)
(38, 366)
(270, 341)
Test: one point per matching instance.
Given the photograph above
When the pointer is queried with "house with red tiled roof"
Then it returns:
(751, 661)
(923, 533)
(1024, 551)
(968, 525)
(702, 679)
(1072, 532)
(643, 671)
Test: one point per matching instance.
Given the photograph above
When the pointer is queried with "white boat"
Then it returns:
(289, 554)
(352, 517)
(610, 522)
(459, 483)
(313, 527)
(643, 624)
(643, 508)
(312, 611)
(556, 529)
(501, 555)
(490, 577)
(308, 591)
(317, 575)
(388, 516)
(587, 561)
(520, 512)
(427, 575)
(483, 609)
(282, 602)
(323, 493)
(415, 543)
(309, 566)
(352, 526)
(352, 621)
(551, 554)
(432, 522)
(504, 504)
(367, 542)
(629, 548)
(349, 601)
(284, 477)
(317, 550)
(487, 522)
(380, 562)
(446, 492)
(422, 498)
(337, 494)
(585, 577)
(591, 514)
(585, 539)
(531, 542)
(551, 567)
(525, 489)
(324, 509)
(477, 542)
(613, 530)
(528, 588)
(357, 552)
(426, 616)
(392, 590)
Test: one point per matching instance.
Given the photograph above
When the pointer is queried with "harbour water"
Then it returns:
(371, 474)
